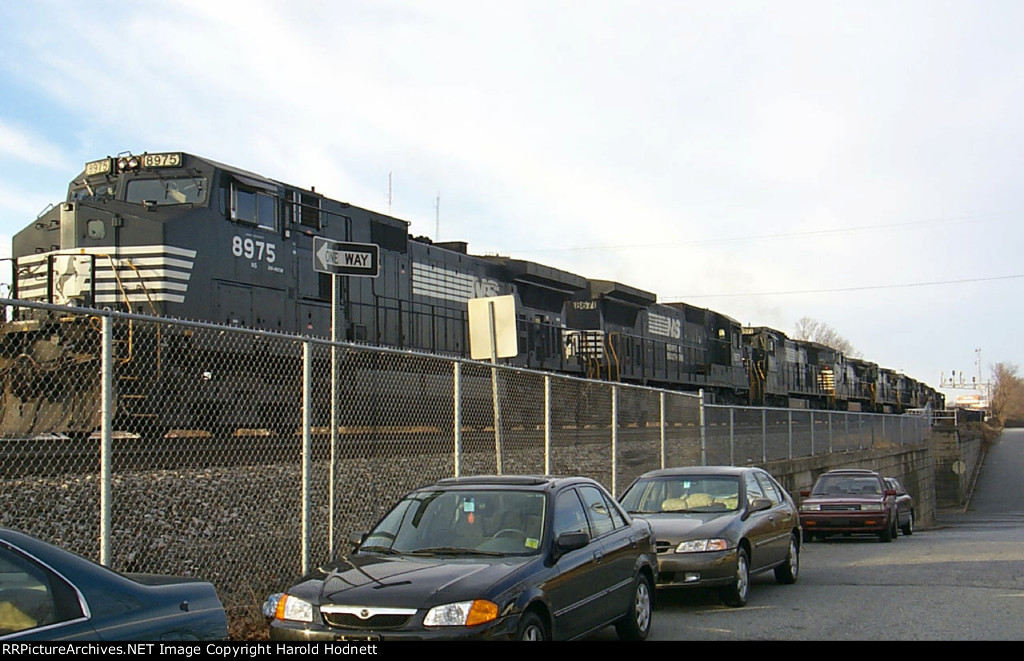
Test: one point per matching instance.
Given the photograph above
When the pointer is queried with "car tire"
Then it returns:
(636, 624)
(909, 528)
(531, 627)
(789, 571)
(736, 594)
(886, 535)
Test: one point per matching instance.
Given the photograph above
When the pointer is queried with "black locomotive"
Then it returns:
(176, 235)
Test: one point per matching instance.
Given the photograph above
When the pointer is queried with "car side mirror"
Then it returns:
(357, 538)
(569, 541)
(758, 505)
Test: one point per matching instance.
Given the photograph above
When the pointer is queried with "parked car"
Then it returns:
(506, 557)
(48, 593)
(714, 526)
(904, 506)
(849, 501)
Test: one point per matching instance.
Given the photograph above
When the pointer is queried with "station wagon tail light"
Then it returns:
(461, 614)
(294, 609)
(701, 545)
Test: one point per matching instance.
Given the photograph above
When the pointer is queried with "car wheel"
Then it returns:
(909, 528)
(886, 535)
(789, 571)
(636, 624)
(736, 594)
(531, 627)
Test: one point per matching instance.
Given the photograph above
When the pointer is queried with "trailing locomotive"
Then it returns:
(176, 235)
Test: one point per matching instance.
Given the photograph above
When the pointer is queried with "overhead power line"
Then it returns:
(766, 237)
(845, 289)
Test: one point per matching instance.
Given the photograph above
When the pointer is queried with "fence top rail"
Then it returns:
(908, 414)
(325, 342)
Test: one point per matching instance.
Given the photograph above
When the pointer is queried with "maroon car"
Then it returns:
(904, 506)
(849, 501)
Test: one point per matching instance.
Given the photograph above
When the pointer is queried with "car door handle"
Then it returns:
(598, 556)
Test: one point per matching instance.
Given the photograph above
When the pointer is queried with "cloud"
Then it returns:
(624, 142)
(25, 146)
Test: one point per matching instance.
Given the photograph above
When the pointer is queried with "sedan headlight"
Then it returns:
(461, 614)
(871, 507)
(287, 607)
(810, 507)
(699, 545)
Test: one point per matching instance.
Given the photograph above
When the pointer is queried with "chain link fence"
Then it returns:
(232, 455)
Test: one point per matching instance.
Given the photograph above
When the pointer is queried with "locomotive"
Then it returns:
(172, 234)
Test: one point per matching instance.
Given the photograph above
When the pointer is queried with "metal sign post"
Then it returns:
(494, 384)
(492, 334)
(350, 259)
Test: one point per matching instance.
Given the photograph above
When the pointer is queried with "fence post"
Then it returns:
(615, 438)
(732, 435)
(812, 432)
(307, 399)
(703, 433)
(106, 413)
(789, 423)
(764, 435)
(547, 424)
(457, 396)
(661, 403)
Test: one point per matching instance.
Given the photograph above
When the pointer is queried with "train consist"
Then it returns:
(176, 235)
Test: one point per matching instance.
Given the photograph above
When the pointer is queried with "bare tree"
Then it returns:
(816, 331)
(1007, 394)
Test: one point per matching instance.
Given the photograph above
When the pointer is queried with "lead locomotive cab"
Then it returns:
(107, 244)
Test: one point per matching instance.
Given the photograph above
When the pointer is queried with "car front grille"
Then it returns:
(661, 546)
(840, 508)
(352, 621)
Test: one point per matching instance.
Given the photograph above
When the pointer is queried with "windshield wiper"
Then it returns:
(380, 549)
(452, 550)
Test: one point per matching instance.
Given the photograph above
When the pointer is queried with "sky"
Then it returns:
(856, 162)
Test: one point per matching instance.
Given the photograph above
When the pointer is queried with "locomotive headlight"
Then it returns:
(128, 163)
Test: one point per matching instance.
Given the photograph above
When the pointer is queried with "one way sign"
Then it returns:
(346, 258)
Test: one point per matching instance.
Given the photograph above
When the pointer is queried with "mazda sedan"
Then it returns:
(489, 558)
(715, 526)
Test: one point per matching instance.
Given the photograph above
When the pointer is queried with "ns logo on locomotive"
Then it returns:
(178, 235)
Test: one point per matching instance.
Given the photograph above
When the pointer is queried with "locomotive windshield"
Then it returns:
(91, 190)
(184, 190)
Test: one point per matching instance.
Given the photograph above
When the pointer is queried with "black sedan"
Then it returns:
(47, 593)
(714, 526)
(494, 558)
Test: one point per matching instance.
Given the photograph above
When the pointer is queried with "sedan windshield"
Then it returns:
(683, 493)
(463, 522)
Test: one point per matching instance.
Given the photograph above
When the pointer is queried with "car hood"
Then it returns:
(405, 581)
(680, 526)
